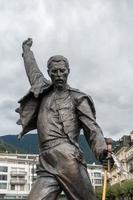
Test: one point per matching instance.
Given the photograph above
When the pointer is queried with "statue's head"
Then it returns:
(58, 70)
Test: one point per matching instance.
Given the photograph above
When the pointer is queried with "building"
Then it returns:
(124, 152)
(17, 173)
(129, 156)
(96, 174)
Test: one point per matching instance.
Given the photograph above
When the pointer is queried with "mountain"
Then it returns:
(5, 147)
(29, 144)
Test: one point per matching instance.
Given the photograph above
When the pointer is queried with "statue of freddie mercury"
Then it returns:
(59, 112)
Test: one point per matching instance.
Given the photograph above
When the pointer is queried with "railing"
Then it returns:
(17, 181)
(18, 173)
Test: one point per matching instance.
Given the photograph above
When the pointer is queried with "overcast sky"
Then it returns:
(97, 38)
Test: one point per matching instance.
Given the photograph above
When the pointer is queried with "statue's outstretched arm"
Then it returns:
(92, 130)
(34, 74)
(29, 106)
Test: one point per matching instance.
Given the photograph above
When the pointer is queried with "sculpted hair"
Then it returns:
(57, 58)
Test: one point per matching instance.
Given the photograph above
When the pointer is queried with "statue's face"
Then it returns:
(58, 73)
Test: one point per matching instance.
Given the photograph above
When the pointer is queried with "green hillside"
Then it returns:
(29, 144)
(4, 147)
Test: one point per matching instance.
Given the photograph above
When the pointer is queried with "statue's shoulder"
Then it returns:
(36, 93)
(79, 96)
(74, 90)
(77, 93)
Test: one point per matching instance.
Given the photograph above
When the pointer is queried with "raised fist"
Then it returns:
(27, 44)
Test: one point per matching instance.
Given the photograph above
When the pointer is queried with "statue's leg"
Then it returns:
(76, 183)
(45, 188)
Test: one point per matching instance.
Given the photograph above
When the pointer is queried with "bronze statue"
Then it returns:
(59, 112)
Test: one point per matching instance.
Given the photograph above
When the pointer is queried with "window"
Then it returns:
(3, 177)
(3, 185)
(21, 169)
(21, 187)
(3, 169)
(31, 157)
(33, 170)
(21, 162)
(12, 187)
(97, 174)
(98, 181)
(14, 168)
(33, 178)
(21, 157)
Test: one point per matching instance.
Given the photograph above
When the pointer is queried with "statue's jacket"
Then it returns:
(84, 108)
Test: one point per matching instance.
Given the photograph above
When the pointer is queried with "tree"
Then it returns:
(125, 189)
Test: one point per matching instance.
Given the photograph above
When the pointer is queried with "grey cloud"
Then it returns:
(7, 107)
(8, 116)
(95, 35)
